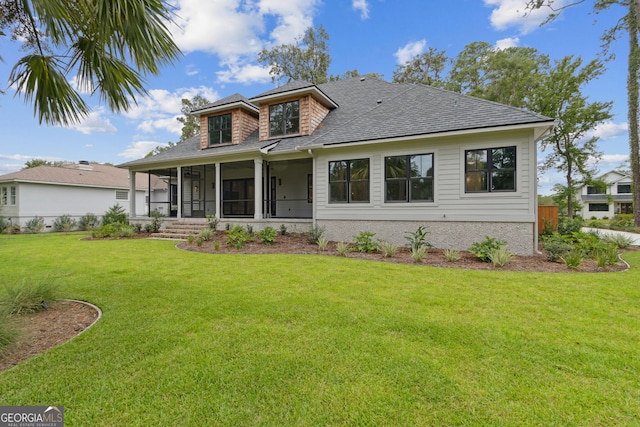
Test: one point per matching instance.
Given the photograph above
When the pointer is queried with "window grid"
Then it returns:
(349, 181)
(284, 119)
(490, 170)
(220, 129)
(409, 184)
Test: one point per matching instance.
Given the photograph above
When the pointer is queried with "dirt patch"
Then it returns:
(299, 244)
(41, 331)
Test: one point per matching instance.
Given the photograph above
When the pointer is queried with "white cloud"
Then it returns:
(614, 159)
(293, 17)
(244, 74)
(410, 51)
(362, 6)
(507, 43)
(160, 108)
(192, 70)
(95, 123)
(610, 130)
(512, 13)
(139, 149)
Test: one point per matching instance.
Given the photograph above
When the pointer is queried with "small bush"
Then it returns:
(483, 249)
(363, 242)
(315, 233)
(29, 297)
(451, 255)
(418, 238)
(200, 241)
(568, 225)
(88, 222)
(250, 229)
(156, 221)
(114, 230)
(191, 238)
(618, 240)
(283, 229)
(573, 258)
(213, 222)
(115, 215)
(342, 248)
(622, 221)
(501, 257)
(137, 227)
(205, 234)
(64, 223)
(418, 253)
(388, 249)
(323, 243)
(238, 237)
(606, 256)
(267, 236)
(216, 245)
(555, 247)
(34, 225)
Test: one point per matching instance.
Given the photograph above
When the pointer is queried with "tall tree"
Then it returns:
(507, 76)
(571, 146)
(427, 68)
(191, 124)
(105, 47)
(42, 162)
(307, 58)
(629, 24)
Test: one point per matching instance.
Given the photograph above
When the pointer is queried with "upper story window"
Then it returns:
(490, 170)
(349, 181)
(8, 195)
(284, 118)
(220, 129)
(593, 189)
(409, 178)
(624, 188)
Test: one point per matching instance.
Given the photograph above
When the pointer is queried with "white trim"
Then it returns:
(309, 90)
(225, 107)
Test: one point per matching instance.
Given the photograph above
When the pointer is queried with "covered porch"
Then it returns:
(228, 190)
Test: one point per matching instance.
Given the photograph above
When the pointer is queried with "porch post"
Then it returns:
(132, 194)
(179, 213)
(218, 180)
(257, 185)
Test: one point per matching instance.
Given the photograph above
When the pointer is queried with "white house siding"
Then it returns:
(454, 219)
(291, 188)
(52, 201)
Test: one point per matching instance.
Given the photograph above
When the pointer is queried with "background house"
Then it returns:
(359, 155)
(615, 198)
(74, 190)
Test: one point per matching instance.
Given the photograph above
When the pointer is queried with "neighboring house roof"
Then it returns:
(92, 175)
(370, 110)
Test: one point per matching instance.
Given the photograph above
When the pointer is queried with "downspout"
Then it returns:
(314, 221)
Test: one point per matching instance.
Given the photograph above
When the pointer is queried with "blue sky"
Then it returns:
(220, 40)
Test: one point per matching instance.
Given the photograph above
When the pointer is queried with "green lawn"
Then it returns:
(198, 339)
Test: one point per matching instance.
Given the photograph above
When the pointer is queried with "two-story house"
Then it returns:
(615, 198)
(360, 155)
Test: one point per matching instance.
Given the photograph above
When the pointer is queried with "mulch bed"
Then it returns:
(292, 243)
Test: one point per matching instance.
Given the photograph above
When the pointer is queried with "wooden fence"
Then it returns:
(547, 217)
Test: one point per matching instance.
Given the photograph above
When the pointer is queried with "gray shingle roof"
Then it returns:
(236, 97)
(371, 109)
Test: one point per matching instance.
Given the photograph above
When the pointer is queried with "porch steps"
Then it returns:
(180, 230)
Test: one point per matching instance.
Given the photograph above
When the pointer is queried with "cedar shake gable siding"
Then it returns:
(243, 124)
(312, 112)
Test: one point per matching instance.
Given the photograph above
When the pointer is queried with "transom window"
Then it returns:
(220, 129)
(349, 181)
(490, 170)
(284, 119)
(8, 195)
(624, 188)
(409, 178)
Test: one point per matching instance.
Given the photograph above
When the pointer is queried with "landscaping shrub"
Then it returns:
(618, 240)
(568, 225)
(363, 242)
(29, 297)
(113, 230)
(451, 255)
(418, 238)
(315, 233)
(388, 249)
(88, 221)
(8, 332)
(483, 249)
(622, 221)
(555, 247)
(213, 222)
(323, 243)
(500, 257)
(34, 225)
(64, 223)
(573, 258)
(267, 236)
(115, 215)
(156, 221)
(342, 248)
(283, 229)
(238, 237)
(418, 253)
(205, 234)
(606, 256)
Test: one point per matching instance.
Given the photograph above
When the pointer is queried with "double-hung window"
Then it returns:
(284, 119)
(490, 170)
(220, 129)
(349, 181)
(409, 178)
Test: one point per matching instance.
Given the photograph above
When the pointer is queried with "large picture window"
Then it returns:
(349, 181)
(490, 170)
(220, 129)
(409, 178)
(284, 119)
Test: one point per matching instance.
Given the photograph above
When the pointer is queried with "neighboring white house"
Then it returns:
(359, 155)
(617, 198)
(74, 190)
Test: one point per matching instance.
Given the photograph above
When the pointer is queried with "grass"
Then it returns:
(311, 340)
